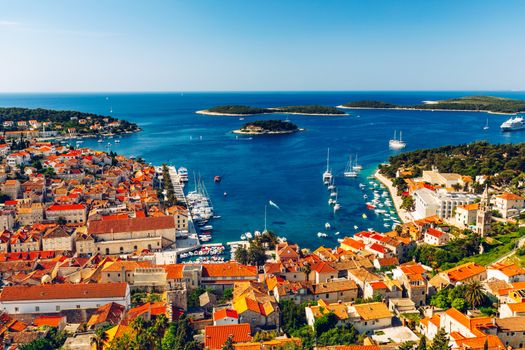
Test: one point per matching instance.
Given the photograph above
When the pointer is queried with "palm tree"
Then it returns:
(475, 293)
(99, 339)
(307, 270)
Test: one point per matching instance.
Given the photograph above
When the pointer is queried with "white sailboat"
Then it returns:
(327, 175)
(357, 167)
(349, 170)
(486, 127)
(395, 143)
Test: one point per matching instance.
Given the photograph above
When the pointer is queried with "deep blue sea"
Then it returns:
(287, 168)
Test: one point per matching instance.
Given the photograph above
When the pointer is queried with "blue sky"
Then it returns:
(205, 45)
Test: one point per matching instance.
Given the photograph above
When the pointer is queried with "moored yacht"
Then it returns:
(512, 124)
(395, 143)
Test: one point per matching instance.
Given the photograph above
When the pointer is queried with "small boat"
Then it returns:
(100, 141)
(217, 216)
(243, 237)
(241, 118)
(356, 227)
(207, 227)
(117, 141)
(486, 127)
(337, 206)
(364, 216)
(321, 234)
(327, 226)
(331, 201)
(365, 196)
(333, 194)
(225, 194)
(337, 233)
(217, 179)
(249, 235)
(362, 186)
(370, 206)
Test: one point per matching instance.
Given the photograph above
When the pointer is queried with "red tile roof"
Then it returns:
(63, 291)
(60, 207)
(51, 321)
(216, 336)
(131, 224)
(223, 313)
(228, 269)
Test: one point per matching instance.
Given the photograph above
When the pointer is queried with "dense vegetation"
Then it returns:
(270, 126)
(468, 103)
(309, 109)
(53, 339)
(255, 254)
(505, 161)
(157, 334)
(449, 254)
(238, 109)
(464, 297)
(369, 104)
(248, 110)
(66, 119)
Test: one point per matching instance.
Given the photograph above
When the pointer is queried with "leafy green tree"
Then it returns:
(440, 341)
(407, 345)
(325, 323)
(422, 343)
(459, 304)
(344, 335)
(99, 339)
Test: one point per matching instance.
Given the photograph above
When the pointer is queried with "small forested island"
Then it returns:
(469, 103)
(505, 163)
(268, 127)
(242, 110)
(53, 123)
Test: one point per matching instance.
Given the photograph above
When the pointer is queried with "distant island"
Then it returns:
(242, 110)
(469, 103)
(53, 123)
(268, 127)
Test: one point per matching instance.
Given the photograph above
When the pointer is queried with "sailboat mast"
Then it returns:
(328, 159)
(400, 135)
(265, 207)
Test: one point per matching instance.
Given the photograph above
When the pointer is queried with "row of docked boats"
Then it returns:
(381, 204)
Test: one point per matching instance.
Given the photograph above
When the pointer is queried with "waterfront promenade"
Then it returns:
(403, 215)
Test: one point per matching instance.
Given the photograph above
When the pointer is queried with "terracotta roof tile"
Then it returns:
(216, 336)
(63, 291)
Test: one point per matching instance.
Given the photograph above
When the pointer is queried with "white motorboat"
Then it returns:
(321, 234)
(337, 206)
(327, 226)
(513, 124)
(395, 143)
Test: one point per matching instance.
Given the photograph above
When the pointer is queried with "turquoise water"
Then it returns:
(285, 169)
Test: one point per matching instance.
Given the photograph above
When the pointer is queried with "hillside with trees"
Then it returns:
(505, 162)
(63, 120)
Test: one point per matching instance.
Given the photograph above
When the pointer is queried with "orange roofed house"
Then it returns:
(216, 336)
(133, 234)
(509, 204)
(224, 275)
(465, 273)
(54, 298)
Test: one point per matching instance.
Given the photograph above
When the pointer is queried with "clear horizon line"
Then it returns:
(248, 91)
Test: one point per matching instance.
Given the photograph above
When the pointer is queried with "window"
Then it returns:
(327, 295)
(16, 309)
(37, 308)
(58, 308)
(78, 306)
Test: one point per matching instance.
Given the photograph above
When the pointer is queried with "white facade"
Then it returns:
(440, 203)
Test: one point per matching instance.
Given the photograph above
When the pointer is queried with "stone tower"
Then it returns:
(484, 214)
